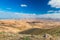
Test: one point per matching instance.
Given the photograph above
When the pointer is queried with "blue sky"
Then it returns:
(29, 8)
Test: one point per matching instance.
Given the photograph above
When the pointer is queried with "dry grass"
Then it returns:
(21, 25)
(10, 29)
(12, 36)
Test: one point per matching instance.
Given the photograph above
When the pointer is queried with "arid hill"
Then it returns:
(29, 30)
(16, 26)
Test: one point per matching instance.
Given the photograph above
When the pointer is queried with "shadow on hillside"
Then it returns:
(34, 31)
(38, 31)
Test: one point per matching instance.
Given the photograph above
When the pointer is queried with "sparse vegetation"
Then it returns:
(26, 38)
(18, 30)
(12, 36)
(37, 31)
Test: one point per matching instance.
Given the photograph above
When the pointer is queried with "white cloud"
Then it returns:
(52, 11)
(23, 5)
(4, 14)
(54, 3)
(53, 15)
(24, 15)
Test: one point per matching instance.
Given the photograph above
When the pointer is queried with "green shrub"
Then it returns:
(26, 38)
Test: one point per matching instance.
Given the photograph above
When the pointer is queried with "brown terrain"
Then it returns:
(29, 27)
(21, 25)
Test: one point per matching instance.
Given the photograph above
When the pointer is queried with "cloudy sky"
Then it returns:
(29, 8)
